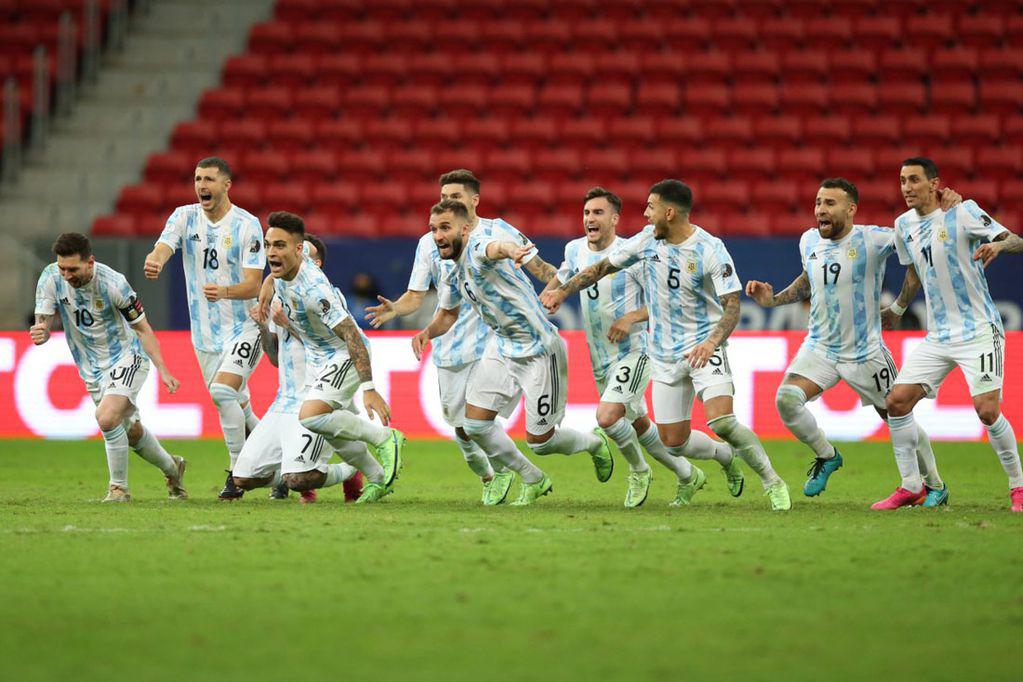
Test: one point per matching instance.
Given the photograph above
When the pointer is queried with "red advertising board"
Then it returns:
(43, 396)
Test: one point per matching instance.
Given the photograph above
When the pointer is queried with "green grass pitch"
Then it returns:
(430, 586)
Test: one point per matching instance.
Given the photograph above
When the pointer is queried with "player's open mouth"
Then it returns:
(274, 264)
(592, 229)
(205, 197)
(823, 223)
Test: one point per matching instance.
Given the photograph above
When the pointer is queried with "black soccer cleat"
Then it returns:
(230, 491)
(280, 492)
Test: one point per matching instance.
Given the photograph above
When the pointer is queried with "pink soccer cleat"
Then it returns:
(307, 497)
(902, 498)
(353, 487)
(1016, 494)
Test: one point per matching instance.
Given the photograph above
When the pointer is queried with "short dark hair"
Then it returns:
(215, 162)
(674, 192)
(71, 243)
(456, 207)
(598, 192)
(930, 168)
(844, 185)
(289, 222)
(317, 243)
(461, 176)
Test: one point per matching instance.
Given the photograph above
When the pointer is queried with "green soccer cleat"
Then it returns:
(388, 454)
(779, 496)
(531, 492)
(371, 492)
(495, 491)
(734, 477)
(686, 490)
(639, 488)
(936, 497)
(603, 462)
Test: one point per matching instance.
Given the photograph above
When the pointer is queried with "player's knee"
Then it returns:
(897, 403)
(135, 432)
(248, 483)
(223, 394)
(789, 400)
(675, 437)
(988, 414)
(306, 480)
(724, 426)
(317, 423)
(108, 420)
(609, 413)
(477, 428)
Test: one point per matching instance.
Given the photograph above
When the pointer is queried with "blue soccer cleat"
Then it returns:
(819, 472)
(936, 497)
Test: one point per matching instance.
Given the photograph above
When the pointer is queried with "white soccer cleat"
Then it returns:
(117, 494)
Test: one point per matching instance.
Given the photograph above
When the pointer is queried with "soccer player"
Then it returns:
(458, 352)
(223, 259)
(259, 463)
(843, 273)
(527, 356)
(112, 345)
(337, 364)
(615, 316)
(692, 294)
(947, 251)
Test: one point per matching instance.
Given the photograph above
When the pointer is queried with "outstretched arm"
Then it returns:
(763, 293)
(541, 270)
(156, 259)
(407, 303)
(910, 287)
(1005, 242)
(700, 354)
(553, 297)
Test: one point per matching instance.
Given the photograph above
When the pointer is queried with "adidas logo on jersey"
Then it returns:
(717, 370)
(194, 237)
(813, 256)
(986, 377)
(655, 258)
(909, 239)
(542, 422)
(65, 301)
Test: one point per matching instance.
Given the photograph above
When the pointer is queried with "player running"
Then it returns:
(337, 364)
(112, 345)
(843, 274)
(527, 356)
(947, 251)
(279, 431)
(692, 293)
(615, 316)
(458, 352)
(223, 259)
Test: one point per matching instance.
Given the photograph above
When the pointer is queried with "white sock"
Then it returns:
(905, 442)
(678, 464)
(624, 436)
(276, 480)
(344, 424)
(1003, 440)
(499, 446)
(335, 475)
(251, 420)
(475, 458)
(925, 460)
(745, 444)
(149, 449)
(567, 442)
(355, 453)
(116, 442)
(232, 418)
(791, 403)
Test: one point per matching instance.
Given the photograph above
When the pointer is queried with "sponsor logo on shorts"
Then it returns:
(300, 458)
(717, 370)
(542, 422)
(239, 363)
(985, 377)
(617, 389)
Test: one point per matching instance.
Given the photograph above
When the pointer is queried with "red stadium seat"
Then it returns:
(852, 66)
(755, 100)
(1001, 97)
(528, 68)
(139, 199)
(778, 131)
(927, 130)
(734, 33)
(318, 38)
(775, 196)
(702, 165)
(953, 98)
(658, 98)
(632, 131)
(904, 99)
(976, 130)
(661, 162)
(412, 165)
(640, 35)
(291, 70)
(1002, 163)
(730, 132)
(388, 133)
(245, 71)
(450, 159)
(556, 164)
(286, 196)
(851, 163)
(608, 99)
(507, 165)
(314, 165)
(268, 102)
(415, 100)
(982, 30)
(604, 166)
(755, 67)
(338, 69)
(366, 101)
(467, 100)
(782, 33)
(906, 65)
(595, 33)
(680, 131)
(830, 33)
(170, 167)
(222, 103)
(560, 100)
(485, 131)
(247, 133)
(876, 131)
(334, 197)
(955, 163)
(338, 134)
(787, 224)
(533, 133)
(751, 164)
(583, 131)
(438, 133)
(570, 68)
(804, 99)
(503, 35)
(387, 69)
(709, 68)
(983, 191)
(955, 64)
(877, 32)
(264, 167)
(290, 135)
(826, 131)
(619, 68)
(723, 196)
(1001, 63)
(930, 31)
(271, 37)
(662, 67)
(117, 225)
(802, 164)
(292, 11)
(361, 165)
(805, 66)
(430, 69)
(707, 100)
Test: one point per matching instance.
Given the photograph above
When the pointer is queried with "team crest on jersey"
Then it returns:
(943, 234)
(691, 267)
(851, 254)
(227, 241)
(99, 304)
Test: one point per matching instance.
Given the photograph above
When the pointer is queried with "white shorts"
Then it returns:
(626, 383)
(498, 381)
(240, 356)
(872, 379)
(676, 385)
(261, 454)
(334, 382)
(981, 360)
(125, 378)
(453, 383)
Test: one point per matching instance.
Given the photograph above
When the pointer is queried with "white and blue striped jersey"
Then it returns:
(215, 253)
(315, 307)
(940, 245)
(96, 317)
(604, 302)
(846, 278)
(291, 378)
(500, 293)
(681, 285)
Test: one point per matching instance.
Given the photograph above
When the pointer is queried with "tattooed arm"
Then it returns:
(541, 270)
(553, 297)
(1005, 242)
(763, 293)
(348, 332)
(910, 287)
(701, 353)
(40, 331)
